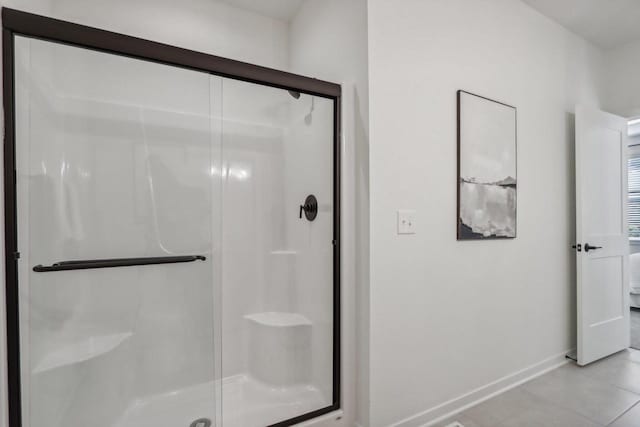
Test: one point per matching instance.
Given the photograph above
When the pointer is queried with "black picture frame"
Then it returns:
(463, 231)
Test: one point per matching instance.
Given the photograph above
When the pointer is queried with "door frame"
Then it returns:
(25, 24)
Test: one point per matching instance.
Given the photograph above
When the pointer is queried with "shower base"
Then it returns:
(246, 402)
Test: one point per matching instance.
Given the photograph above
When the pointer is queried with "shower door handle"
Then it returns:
(115, 262)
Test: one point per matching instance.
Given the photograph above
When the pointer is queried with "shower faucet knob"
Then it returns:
(202, 422)
(310, 208)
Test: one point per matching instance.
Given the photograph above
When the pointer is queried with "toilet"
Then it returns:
(634, 261)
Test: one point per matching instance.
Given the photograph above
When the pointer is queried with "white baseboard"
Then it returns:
(474, 397)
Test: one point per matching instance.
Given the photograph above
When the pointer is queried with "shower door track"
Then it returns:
(16, 22)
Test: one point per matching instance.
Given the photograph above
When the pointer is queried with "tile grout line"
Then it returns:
(571, 410)
(633, 396)
(624, 413)
(593, 379)
(583, 370)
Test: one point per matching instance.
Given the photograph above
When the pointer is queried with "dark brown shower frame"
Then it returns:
(20, 23)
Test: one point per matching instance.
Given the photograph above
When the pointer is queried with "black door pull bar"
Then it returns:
(115, 262)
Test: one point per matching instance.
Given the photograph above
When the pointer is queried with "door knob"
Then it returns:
(588, 247)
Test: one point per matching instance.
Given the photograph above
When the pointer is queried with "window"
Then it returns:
(634, 197)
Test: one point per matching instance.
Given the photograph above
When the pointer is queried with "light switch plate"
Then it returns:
(406, 221)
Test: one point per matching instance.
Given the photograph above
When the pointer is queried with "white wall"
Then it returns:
(449, 317)
(206, 26)
(328, 40)
(622, 94)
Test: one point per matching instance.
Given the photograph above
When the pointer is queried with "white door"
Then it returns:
(601, 234)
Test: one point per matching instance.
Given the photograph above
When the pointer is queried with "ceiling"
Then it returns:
(283, 10)
(605, 23)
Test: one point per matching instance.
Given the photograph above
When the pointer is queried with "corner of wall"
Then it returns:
(622, 85)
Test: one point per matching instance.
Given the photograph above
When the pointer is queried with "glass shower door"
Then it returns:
(277, 254)
(178, 247)
(118, 212)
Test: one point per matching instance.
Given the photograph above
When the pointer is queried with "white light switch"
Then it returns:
(406, 222)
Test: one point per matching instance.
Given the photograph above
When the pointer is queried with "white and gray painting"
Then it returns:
(487, 179)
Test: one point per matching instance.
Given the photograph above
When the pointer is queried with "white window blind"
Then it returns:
(634, 197)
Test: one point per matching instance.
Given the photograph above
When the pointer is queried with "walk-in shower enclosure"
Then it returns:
(172, 234)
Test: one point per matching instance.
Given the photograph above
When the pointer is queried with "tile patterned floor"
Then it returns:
(605, 393)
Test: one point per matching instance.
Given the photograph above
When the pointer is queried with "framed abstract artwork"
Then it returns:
(487, 168)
